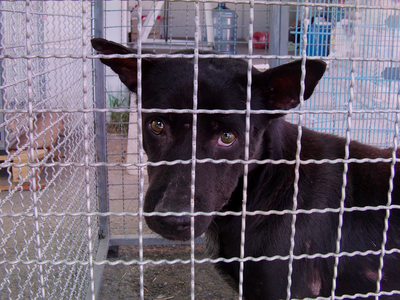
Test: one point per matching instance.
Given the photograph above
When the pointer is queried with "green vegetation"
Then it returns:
(119, 121)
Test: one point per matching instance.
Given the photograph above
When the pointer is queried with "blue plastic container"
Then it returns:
(224, 23)
(318, 39)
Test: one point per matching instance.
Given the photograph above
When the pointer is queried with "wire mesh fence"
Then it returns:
(357, 98)
(46, 154)
(73, 166)
(340, 32)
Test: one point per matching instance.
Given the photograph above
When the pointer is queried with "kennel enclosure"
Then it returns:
(73, 167)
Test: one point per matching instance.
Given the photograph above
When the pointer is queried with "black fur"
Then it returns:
(168, 83)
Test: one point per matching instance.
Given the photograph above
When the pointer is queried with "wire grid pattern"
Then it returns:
(373, 34)
(176, 21)
(123, 186)
(121, 148)
(358, 98)
(43, 49)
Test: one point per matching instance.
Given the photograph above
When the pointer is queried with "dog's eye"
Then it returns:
(226, 139)
(157, 126)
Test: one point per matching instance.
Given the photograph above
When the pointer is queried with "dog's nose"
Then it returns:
(181, 223)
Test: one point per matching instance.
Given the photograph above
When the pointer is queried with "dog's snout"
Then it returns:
(178, 223)
(171, 227)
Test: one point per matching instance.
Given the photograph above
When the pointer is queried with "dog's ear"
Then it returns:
(126, 68)
(280, 86)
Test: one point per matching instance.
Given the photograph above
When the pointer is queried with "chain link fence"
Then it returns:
(47, 144)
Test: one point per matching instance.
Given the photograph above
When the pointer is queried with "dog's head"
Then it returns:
(222, 84)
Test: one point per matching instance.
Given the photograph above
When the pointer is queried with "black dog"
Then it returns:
(168, 83)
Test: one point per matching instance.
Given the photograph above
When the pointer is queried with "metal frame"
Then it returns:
(279, 33)
(101, 147)
(2, 131)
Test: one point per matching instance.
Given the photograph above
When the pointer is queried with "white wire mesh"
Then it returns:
(357, 99)
(35, 248)
(372, 34)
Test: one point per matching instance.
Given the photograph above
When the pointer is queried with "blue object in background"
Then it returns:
(318, 39)
(391, 74)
